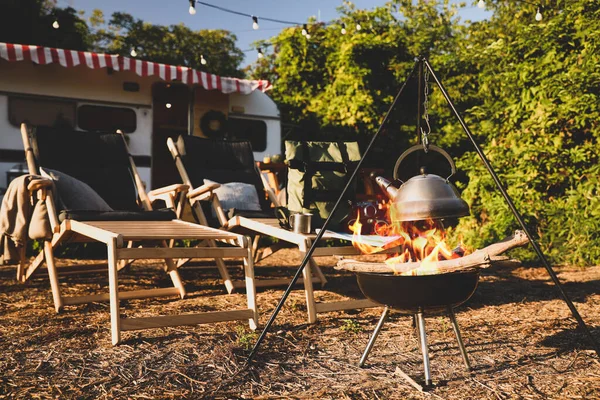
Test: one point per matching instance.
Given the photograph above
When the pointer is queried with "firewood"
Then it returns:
(482, 258)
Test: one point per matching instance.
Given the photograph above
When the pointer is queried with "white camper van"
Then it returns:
(148, 101)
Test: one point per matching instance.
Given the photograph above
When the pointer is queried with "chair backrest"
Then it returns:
(99, 159)
(221, 161)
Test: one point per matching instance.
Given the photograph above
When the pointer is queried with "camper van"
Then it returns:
(147, 101)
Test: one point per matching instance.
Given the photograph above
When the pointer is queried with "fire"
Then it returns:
(422, 242)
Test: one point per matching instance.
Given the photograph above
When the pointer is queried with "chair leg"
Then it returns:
(250, 285)
(201, 218)
(174, 273)
(53, 276)
(308, 286)
(113, 283)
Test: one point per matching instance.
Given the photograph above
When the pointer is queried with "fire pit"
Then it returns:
(426, 276)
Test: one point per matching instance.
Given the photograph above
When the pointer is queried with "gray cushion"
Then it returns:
(237, 195)
(74, 194)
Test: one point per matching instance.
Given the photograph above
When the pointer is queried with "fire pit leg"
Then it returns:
(461, 345)
(384, 316)
(424, 350)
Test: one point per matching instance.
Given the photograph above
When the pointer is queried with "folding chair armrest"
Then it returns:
(204, 189)
(175, 188)
(168, 194)
(40, 185)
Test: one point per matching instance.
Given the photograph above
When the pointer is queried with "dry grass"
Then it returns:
(520, 337)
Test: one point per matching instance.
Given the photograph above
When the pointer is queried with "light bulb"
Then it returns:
(55, 24)
(538, 15)
(343, 29)
(168, 105)
(481, 4)
(304, 30)
(192, 9)
(133, 53)
(255, 23)
(358, 27)
(202, 60)
(260, 53)
(308, 36)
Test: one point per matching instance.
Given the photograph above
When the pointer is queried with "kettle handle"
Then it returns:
(418, 147)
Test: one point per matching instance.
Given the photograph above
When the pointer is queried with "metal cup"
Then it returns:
(300, 222)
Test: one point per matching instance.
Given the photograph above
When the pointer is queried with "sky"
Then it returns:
(169, 12)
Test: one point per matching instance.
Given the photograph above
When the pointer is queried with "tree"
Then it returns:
(30, 22)
(175, 44)
(539, 118)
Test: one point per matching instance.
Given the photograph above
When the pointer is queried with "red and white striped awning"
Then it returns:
(71, 58)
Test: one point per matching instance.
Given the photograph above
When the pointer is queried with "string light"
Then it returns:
(192, 9)
(358, 27)
(481, 4)
(133, 53)
(55, 24)
(255, 22)
(202, 60)
(304, 30)
(343, 29)
(168, 105)
(538, 15)
(260, 53)
(307, 36)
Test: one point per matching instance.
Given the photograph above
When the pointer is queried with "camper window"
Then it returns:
(41, 112)
(249, 129)
(106, 119)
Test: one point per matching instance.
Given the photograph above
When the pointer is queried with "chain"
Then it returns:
(424, 134)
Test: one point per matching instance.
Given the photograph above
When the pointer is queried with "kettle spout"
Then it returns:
(387, 187)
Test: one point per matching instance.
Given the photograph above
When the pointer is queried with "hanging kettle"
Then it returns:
(423, 196)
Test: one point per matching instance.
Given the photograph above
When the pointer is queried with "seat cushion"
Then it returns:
(236, 195)
(165, 214)
(74, 194)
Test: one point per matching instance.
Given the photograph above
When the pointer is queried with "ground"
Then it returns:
(520, 337)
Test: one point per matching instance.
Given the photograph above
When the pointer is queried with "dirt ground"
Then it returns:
(520, 337)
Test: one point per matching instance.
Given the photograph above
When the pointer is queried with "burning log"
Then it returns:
(482, 258)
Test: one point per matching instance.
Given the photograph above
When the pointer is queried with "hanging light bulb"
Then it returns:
(55, 24)
(343, 29)
(308, 36)
(254, 22)
(202, 60)
(304, 30)
(133, 53)
(168, 105)
(538, 15)
(260, 53)
(481, 4)
(358, 27)
(192, 9)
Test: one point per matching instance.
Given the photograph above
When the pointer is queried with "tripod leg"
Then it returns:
(384, 316)
(461, 345)
(424, 350)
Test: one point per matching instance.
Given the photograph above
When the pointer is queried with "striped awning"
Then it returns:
(72, 58)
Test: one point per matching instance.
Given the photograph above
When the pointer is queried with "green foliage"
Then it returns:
(528, 90)
(539, 113)
(175, 44)
(351, 326)
(245, 337)
(30, 22)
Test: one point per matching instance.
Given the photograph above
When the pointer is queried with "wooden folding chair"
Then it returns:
(105, 158)
(226, 161)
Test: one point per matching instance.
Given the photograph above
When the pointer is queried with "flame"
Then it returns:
(422, 242)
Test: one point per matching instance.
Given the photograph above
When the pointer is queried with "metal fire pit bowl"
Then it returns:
(426, 293)
(418, 296)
